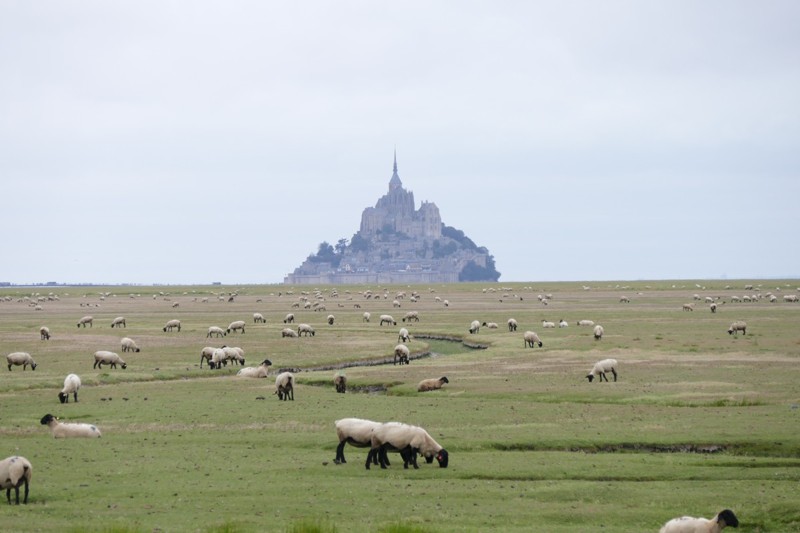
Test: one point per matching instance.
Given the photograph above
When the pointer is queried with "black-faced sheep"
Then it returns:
(601, 367)
(260, 371)
(546, 324)
(598, 332)
(119, 322)
(331, 320)
(409, 441)
(216, 331)
(688, 524)
(66, 430)
(475, 326)
(365, 317)
(172, 324)
(20, 359)
(531, 339)
(85, 320)
(585, 322)
(284, 386)
(288, 332)
(490, 325)
(401, 353)
(103, 357)
(44, 333)
(688, 307)
(72, 383)
(289, 318)
(206, 354)
(432, 384)
(340, 382)
(403, 335)
(258, 318)
(387, 319)
(305, 329)
(563, 323)
(15, 471)
(356, 432)
(512, 324)
(736, 327)
(237, 325)
(129, 345)
(411, 315)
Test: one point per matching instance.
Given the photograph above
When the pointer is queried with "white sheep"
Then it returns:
(234, 354)
(475, 326)
(388, 320)
(216, 331)
(409, 441)
(331, 320)
(258, 318)
(354, 431)
(512, 324)
(598, 332)
(403, 335)
(713, 307)
(206, 354)
(411, 315)
(14, 472)
(688, 307)
(688, 524)
(289, 318)
(218, 359)
(736, 327)
(85, 320)
(44, 333)
(365, 317)
(20, 358)
(432, 384)
(401, 353)
(563, 323)
(490, 325)
(601, 367)
(260, 371)
(62, 430)
(547, 325)
(585, 322)
(103, 357)
(531, 339)
(129, 345)
(119, 322)
(170, 325)
(288, 332)
(284, 386)
(305, 329)
(72, 383)
(236, 325)
(340, 382)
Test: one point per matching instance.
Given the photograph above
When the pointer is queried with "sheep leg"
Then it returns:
(370, 457)
(603, 376)
(75, 395)
(613, 371)
(340, 453)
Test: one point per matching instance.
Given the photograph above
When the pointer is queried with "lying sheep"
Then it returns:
(490, 325)
(104, 357)
(736, 327)
(432, 384)
(258, 318)
(44, 333)
(409, 441)
(563, 323)
(119, 322)
(601, 367)
(387, 319)
(475, 326)
(512, 324)
(237, 325)
(129, 345)
(365, 317)
(356, 432)
(531, 339)
(585, 322)
(305, 329)
(175, 323)
(547, 325)
(284, 386)
(688, 524)
(20, 358)
(260, 371)
(67, 430)
(216, 331)
(598, 332)
(288, 332)
(72, 383)
(289, 318)
(401, 353)
(403, 335)
(340, 382)
(85, 320)
(14, 472)
(331, 319)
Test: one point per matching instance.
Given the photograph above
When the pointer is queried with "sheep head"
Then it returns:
(63, 397)
(728, 518)
(46, 419)
(443, 458)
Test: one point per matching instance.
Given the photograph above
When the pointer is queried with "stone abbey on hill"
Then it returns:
(398, 244)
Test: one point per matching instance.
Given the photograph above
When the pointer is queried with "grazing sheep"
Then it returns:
(586, 322)
(688, 524)
(234, 354)
(365, 317)
(72, 383)
(624, 300)
(104, 357)
(216, 331)
(14, 472)
(260, 371)
(128, 345)
(409, 441)
(258, 318)
(475, 326)
(284, 386)
(85, 320)
(20, 358)
(688, 307)
(44, 333)
(206, 353)
(598, 332)
(601, 367)
(401, 353)
(548, 325)
(411, 315)
(340, 382)
(490, 325)
(119, 322)
(388, 320)
(531, 339)
(289, 318)
(713, 307)
(432, 384)
(288, 332)
(356, 432)
(512, 324)
(403, 336)
(736, 327)
(175, 323)
(66, 430)
(218, 359)
(305, 329)
(236, 326)
(331, 319)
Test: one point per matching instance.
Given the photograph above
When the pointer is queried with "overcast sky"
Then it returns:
(196, 141)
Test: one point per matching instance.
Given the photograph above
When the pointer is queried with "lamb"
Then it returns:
(688, 524)
(129, 345)
(258, 318)
(14, 472)
(403, 336)
(305, 329)
(331, 319)
(409, 441)
(432, 384)
(512, 324)
(72, 383)
(586, 322)
(411, 315)
(119, 322)
(44, 333)
(388, 320)
(475, 326)
(260, 371)
(598, 332)
(601, 367)
(356, 432)
(175, 323)
(235, 326)
(736, 327)
(401, 353)
(104, 357)
(85, 320)
(62, 430)
(288, 332)
(284, 386)
(340, 382)
(547, 325)
(563, 323)
(20, 358)
(365, 317)
(289, 318)
(531, 339)
(490, 325)
(216, 331)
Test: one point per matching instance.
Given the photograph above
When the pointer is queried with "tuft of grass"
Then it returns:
(310, 527)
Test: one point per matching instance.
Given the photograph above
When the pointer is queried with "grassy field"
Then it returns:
(699, 420)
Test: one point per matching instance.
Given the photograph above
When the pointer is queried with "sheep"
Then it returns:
(736, 327)
(598, 332)
(234, 354)
(129, 345)
(20, 358)
(401, 353)
(104, 357)
(288, 332)
(512, 324)
(563, 323)
(411, 315)
(688, 524)
(388, 320)
(14, 472)
(395, 303)
(284, 386)
(432, 384)
(546, 324)
(403, 335)
(585, 322)
(340, 382)
(44, 333)
(62, 430)
(601, 367)
(409, 441)
(119, 322)
(258, 318)
(235, 326)
(331, 319)
(475, 326)
(713, 307)
(206, 354)
(356, 432)
(85, 320)
(218, 359)
(216, 331)
(688, 307)
(175, 323)
(305, 329)
(624, 300)
(72, 383)
(531, 339)
(260, 371)
(289, 318)
(490, 325)
(365, 317)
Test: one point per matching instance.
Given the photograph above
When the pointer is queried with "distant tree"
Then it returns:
(341, 246)
(458, 236)
(474, 272)
(359, 243)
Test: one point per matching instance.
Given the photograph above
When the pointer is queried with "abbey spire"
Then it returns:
(395, 182)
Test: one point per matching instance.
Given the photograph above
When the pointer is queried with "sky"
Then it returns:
(190, 142)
